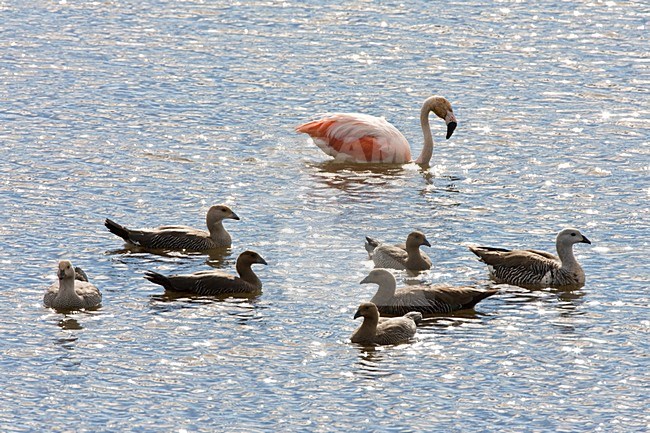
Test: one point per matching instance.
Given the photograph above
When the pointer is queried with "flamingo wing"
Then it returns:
(358, 138)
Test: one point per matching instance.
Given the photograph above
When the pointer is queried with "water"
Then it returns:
(149, 112)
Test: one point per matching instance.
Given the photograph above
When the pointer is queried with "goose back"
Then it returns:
(430, 300)
(208, 283)
(427, 300)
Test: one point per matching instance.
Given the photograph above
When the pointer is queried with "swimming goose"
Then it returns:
(536, 269)
(428, 300)
(211, 283)
(71, 293)
(385, 331)
(180, 237)
(402, 256)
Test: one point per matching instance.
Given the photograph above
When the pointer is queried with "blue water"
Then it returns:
(149, 112)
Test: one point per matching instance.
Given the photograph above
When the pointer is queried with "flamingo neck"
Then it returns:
(427, 148)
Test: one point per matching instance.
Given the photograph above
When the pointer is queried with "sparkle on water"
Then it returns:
(148, 112)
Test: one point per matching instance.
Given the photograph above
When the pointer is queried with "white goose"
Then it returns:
(71, 292)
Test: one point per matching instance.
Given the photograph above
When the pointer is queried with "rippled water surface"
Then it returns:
(148, 112)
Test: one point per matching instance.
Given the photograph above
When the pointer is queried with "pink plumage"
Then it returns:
(357, 137)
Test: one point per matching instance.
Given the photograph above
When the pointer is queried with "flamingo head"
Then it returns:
(442, 108)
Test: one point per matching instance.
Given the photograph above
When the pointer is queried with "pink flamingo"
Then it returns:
(354, 137)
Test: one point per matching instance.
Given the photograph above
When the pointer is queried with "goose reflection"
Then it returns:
(246, 311)
(218, 258)
(369, 362)
(244, 308)
(67, 341)
(69, 324)
(215, 257)
(453, 319)
(569, 301)
(569, 298)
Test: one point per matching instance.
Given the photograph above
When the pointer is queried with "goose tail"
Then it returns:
(159, 279)
(117, 229)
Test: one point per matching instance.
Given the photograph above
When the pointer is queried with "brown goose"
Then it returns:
(428, 300)
(385, 331)
(72, 292)
(536, 269)
(214, 283)
(402, 256)
(180, 238)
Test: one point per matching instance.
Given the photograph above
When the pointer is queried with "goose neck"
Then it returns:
(565, 253)
(385, 292)
(218, 233)
(246, 273)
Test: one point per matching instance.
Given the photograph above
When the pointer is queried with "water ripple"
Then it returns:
(150, 113)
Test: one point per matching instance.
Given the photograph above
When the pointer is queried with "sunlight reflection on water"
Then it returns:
(150, 113)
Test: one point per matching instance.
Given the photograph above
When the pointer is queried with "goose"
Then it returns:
(428, 300)
(180, 238)
(354, 137)
(71, 292)
(380, 331)
(402, 256)
(214, 282)
(536, 269)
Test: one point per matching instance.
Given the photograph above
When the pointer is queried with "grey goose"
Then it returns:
(180, 238)
(537, 269)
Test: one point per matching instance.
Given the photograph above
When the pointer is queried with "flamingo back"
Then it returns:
(358, 138)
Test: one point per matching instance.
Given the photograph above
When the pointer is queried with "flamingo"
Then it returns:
(354, 137)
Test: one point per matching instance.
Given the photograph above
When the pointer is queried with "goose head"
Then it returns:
(66, 270)
(219, 213)
(415, 239)
(249, 258)
(367, 310)
(380, 277)
(571, 236)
